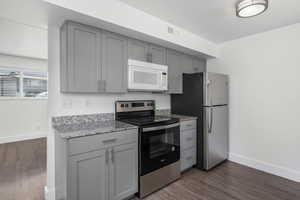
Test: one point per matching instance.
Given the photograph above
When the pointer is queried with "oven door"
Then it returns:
(160, 146)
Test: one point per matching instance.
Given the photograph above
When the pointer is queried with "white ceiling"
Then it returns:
(215, 20)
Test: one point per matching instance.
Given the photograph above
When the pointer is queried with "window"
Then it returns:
(23, 84)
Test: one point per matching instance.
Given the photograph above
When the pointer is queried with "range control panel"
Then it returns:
(129, 106)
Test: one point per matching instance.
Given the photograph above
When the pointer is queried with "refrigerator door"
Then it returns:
(216, 136)
(215, 89)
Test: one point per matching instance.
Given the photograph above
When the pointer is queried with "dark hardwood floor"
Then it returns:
(23, 176)
(230, 181)
(23, 170)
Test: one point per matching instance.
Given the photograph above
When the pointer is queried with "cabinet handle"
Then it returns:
(211, 120)
(106, 156)
(112, 156)
(189, 139)
(149, 57)
(109, 141)
(189, 125)
(101, 85)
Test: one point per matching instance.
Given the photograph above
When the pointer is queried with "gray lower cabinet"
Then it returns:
(80, 58)
(103, 167)
(88, 176)
(188, 144)
(123, 171)
(174, 62)
(114, 63)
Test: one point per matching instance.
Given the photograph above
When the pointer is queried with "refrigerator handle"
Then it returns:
(208, 93)
(211, 120)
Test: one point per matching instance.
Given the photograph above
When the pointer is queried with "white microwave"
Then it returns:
(144, 76)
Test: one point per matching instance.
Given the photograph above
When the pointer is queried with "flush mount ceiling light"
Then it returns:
(251, 8)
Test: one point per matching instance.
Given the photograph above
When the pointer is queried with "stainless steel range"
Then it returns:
(159, 144)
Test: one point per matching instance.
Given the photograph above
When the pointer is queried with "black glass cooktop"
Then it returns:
(141, 121)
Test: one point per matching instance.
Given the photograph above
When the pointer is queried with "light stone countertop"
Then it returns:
(93, 128)
(84, 125)
(184, 117)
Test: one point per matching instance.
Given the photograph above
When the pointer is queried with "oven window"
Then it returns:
(159, 148)
(161, 144)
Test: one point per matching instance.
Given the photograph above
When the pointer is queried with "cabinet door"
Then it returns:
(187, 64)
(114, 67)
(84, 56)
(174, 62)
(88, 176)
(124, 171)
(138, 50)
(157, 54)
(199, 65)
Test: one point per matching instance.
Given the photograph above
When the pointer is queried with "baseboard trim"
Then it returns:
(17, 138)
(266, 167)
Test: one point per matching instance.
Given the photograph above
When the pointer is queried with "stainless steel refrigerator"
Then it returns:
(205, 95)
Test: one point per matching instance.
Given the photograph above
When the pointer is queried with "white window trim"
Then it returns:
(21, 93)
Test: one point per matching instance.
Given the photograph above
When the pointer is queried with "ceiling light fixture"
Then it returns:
(251, 8)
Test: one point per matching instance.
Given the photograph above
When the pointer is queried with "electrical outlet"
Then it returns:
(170, 30)
(88, 102)
(67, 104)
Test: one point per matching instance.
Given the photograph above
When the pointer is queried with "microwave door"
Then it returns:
(143, 80)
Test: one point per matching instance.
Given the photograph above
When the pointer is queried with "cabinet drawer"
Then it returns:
(186, 125)
(188, 158)
(188, 139)
(92, 143)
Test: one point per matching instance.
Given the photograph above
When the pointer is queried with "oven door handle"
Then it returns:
(156, 128)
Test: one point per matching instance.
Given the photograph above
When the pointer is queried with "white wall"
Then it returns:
(22, 118)
(264, 72)
(22, 40)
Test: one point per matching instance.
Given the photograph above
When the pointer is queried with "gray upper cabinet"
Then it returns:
(114, 65)
(187, 64)
(146, 52)
(199, 65)
(95, 61)
(80, 58)
(138, 50)
(157, 54)
(88, 176)
(123, 173)
(174, 62)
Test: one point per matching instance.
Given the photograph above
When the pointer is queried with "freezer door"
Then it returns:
(216, 136)
(215, 89)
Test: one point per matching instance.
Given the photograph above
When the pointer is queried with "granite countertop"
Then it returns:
(167, 113)
(183, 117)
(84, 125)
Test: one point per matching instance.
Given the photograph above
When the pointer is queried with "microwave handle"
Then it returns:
(156, 128)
